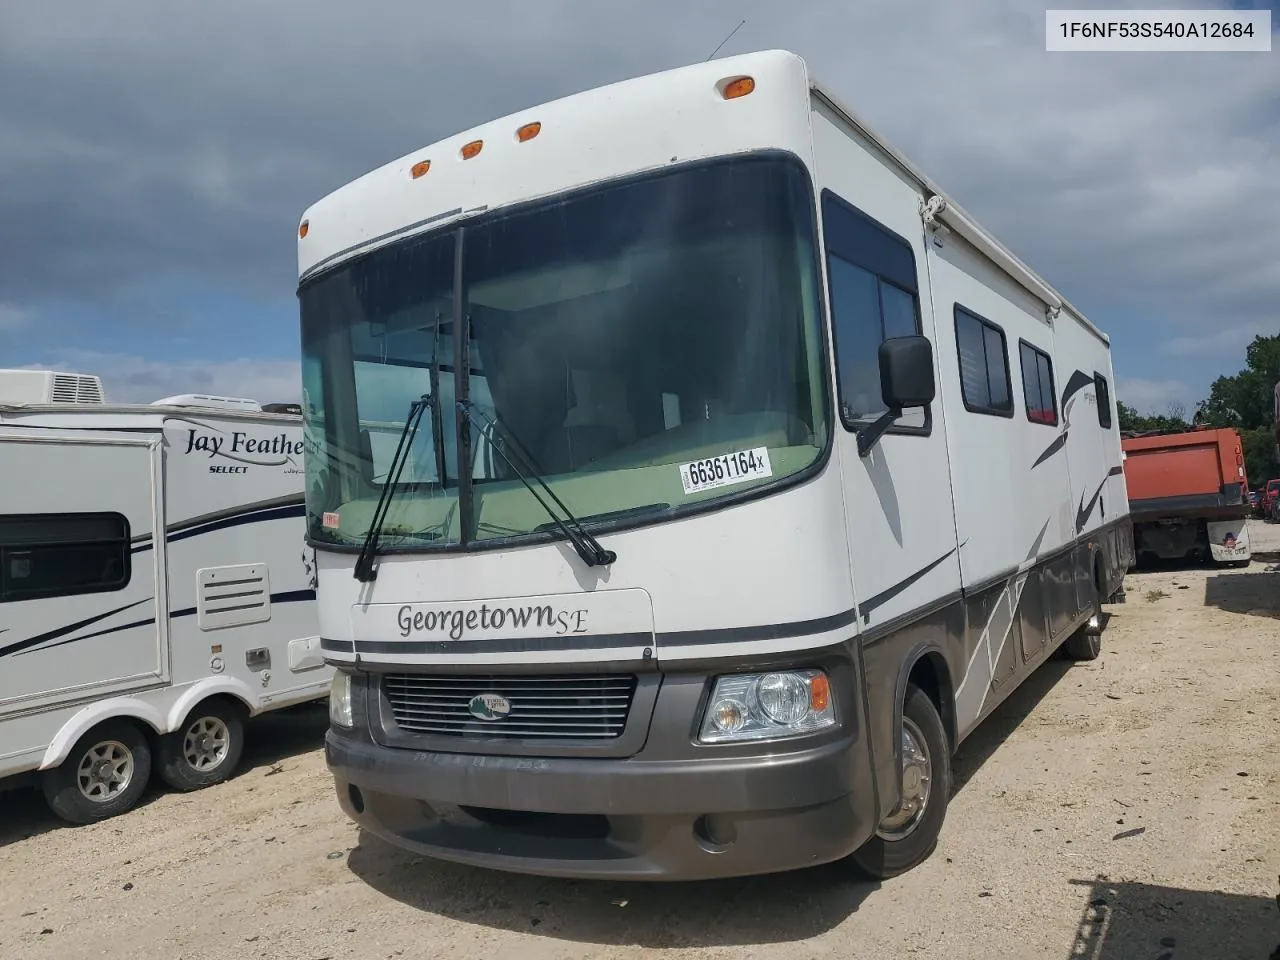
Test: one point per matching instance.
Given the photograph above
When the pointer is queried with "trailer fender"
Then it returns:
(210, 687)
(130, 708)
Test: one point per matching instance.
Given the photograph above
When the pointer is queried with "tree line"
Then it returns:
(1245, 402)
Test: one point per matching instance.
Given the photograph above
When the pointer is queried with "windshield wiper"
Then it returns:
(364, 571)
(588, 547)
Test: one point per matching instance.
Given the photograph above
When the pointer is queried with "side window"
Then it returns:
(1103, 391)
(984, 365)
(874, 296)
(62, 554)
(1037, 385)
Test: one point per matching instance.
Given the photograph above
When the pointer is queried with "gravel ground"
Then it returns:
(1120, 810)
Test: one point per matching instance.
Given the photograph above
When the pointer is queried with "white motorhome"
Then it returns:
(155, 587)
(791, 473)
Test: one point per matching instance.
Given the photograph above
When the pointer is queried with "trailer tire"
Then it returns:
(897, 847)
(206, 749)
(104, 775)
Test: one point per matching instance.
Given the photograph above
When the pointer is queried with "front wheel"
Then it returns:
(908, 835)
(105, 774)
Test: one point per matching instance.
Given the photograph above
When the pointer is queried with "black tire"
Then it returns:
(206, 749)
(887, 855)
(1086, 643)
(86, 787)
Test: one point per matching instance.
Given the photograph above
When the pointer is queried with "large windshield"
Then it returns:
(652, 345)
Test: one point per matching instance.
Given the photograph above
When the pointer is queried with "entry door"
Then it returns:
(901, 526)
(78, 607)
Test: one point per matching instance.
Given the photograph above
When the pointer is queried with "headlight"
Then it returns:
(758, 706)
(340, 700)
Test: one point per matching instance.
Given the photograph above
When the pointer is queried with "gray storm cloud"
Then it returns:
(143, 142)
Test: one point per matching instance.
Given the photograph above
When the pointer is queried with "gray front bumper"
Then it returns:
(713, 816)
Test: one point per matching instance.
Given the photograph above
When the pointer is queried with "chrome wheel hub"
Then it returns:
(206, 743)
(917, 782)
(105, 771)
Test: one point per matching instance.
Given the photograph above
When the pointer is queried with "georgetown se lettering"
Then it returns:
(490, 618)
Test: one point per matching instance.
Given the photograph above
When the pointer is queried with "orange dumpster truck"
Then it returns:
(1188, 496)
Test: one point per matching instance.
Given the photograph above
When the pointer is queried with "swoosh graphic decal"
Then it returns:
(776, 631)
(1082, 514)
(89, 636)
(278, 509)
(884, 596)
(287, 596)
(63, 631)
(196, 423)
(1078, 381)
(1035, 547)
(1050, 450)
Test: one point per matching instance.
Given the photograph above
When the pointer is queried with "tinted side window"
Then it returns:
(984, 364)
(1103, 391)
(1037, 385)
(874, 296)
(59, 555)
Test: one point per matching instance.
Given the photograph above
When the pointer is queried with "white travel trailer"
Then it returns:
(791, 473)
(155, 587)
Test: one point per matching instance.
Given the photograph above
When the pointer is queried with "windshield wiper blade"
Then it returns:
(592, 552)
(364, 571)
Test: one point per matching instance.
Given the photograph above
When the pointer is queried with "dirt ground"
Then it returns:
(1125, 809)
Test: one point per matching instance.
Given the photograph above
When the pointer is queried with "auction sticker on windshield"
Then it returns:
(726, 469)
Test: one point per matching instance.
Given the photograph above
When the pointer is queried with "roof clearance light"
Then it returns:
(419, 169)
(528, 131)
(472, 149)
(303, 227)
(737, 88)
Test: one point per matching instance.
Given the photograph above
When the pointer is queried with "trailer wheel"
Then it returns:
(908, 835)
(207, 747)
(104, 775)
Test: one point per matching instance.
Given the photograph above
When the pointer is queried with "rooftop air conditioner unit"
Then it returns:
(210, 402)
(34, 387)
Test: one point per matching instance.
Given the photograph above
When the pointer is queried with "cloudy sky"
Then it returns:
(155, 158)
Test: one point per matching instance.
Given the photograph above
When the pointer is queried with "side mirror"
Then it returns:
(906, 373)
(906, 380)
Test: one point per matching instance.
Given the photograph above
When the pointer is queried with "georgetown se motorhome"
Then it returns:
(688, 477)
(155, 587)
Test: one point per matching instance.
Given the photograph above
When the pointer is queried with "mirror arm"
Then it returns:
(870, 434)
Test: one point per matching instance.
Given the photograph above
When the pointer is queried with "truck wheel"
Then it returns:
(1086, 642)
(206, 749)
(909, 834)
(104, 775)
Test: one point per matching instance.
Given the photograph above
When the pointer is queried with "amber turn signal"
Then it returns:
(819, 693)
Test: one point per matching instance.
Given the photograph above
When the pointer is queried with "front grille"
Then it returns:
(541, 708)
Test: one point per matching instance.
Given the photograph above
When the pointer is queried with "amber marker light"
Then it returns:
(528, 131)
(472, 149)
(737, 88)
(819, 693)
(303, 227)
(420, 169)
